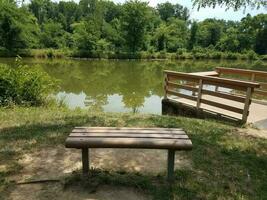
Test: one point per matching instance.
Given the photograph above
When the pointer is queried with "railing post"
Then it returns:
(199, 95)
(252, 77)
(217, 87)
(165, 85)
(247, 103)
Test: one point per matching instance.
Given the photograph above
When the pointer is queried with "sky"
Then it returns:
(203, 13)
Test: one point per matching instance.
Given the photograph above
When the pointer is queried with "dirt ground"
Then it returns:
(58, 162)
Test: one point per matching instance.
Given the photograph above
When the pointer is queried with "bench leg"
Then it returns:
(85, 160)
(171, 157)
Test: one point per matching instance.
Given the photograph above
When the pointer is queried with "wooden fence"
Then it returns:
(200, 91)
(251, 75)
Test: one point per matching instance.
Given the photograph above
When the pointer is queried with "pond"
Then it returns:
(120, 85)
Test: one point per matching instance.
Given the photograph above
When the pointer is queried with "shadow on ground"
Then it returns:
(222, 164)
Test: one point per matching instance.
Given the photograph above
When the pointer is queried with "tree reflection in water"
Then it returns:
(119, 86)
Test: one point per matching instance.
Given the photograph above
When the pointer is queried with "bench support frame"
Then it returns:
(85, 160)
(170, 165)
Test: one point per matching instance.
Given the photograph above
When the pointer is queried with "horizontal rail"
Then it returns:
(223, 106)
(225, 96)
(260, 92)
(208, 73)
(240, 71)
(185, 87)
(253, 75)
(185, 76)
(181, 95)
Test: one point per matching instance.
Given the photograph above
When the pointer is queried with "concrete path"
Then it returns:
(258, 115)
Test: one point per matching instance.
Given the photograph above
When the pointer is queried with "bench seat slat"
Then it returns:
(128, 128)
(127, 131)
(130, 135)
(144, 143)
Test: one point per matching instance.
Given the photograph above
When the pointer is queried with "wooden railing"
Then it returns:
(200, 90)
(251, 75)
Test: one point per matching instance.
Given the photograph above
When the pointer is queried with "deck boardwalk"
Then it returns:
(202, 93)
(257, 112)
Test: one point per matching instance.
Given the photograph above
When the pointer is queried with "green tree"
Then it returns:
(168, 10)
(209, 32)
(229, 42)
(85, 36)
(260, 27)
(18, 27)
(52, 35)
(235, 4)
(134, 22)
(193, 35)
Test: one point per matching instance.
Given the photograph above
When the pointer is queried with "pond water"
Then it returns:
(120, 85)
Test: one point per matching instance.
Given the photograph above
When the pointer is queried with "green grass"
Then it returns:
(225, 165)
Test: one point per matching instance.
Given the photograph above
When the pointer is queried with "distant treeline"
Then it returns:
(95, 28)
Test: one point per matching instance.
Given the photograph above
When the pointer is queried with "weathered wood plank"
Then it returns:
(193, 98)
(211, 79)
(131, 135)
(246, 106)
(260, 92)
(241, 71)
(199, 96)
(127, 128)
(143, 143)
(106, 131)
(223, 106)
(185, 87)
(240, 99)
(208, 73)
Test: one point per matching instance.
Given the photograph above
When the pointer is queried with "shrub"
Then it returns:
(231, 56)
(215, 55)
(264, 57)
(24, 85)
(251, 55)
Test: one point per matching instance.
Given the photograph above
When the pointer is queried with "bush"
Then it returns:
(24, 85)
(251, 55)
(264, 57)
(231, 55)
(215, 55)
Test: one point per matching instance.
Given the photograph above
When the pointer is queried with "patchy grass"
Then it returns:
(225, 165)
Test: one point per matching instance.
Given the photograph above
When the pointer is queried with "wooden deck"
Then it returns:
(257, 112)
(206, 92)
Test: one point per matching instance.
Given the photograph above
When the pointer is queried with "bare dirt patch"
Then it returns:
(58, 162)
(54, 191)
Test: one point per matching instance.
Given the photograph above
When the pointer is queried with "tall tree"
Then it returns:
(134, 22)
(167, 10)
(18, 27)
(193, 35)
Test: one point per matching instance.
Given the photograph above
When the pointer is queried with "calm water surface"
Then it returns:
(119, 86)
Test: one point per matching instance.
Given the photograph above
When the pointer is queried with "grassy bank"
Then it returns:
(179, 55)
(225, 164)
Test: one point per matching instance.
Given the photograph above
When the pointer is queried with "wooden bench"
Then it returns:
(142, 138)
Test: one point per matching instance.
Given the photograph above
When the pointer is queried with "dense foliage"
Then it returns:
(24, 85)
(94, 27)
(236, 4)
